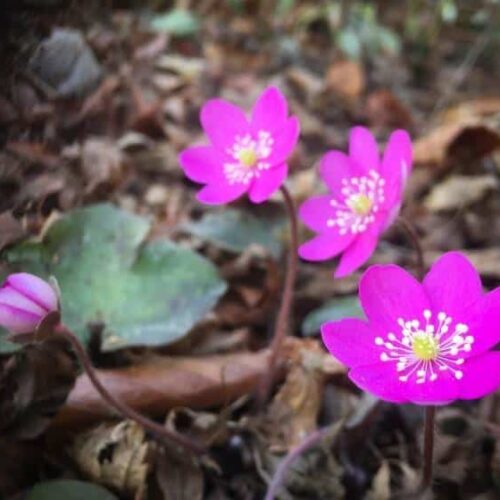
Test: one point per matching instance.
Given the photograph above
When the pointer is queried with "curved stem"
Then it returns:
(279, 475)
(412, 235)
(282, 320)
(430, 413)
(158, 430)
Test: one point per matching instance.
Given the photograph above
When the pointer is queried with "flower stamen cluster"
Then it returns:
(360, 201)
(249, 154)
(424, 349)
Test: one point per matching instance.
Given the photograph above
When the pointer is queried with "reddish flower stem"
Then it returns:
(413, 237)
(430, 413)
(161, 432)
(282, 320)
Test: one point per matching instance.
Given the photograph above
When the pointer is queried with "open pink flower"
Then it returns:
(426, 343)
(25, 300)
(244, 155)
(364, 199)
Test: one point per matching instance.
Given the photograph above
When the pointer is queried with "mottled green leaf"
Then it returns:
(333, 310)
(235, 230)
(143, 294)
(68, 489)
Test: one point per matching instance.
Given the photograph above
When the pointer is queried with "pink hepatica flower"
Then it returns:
(426, 343)
(244, 155)
(25, 300)
(365, 197)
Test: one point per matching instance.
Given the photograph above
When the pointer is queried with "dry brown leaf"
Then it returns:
(102, 163)
(153, 48)
(34, 153)
(381, 484)
(469, 139)
(384, 109)
(34, 384)
(459, 191)
(115, 456)
(345, 78)
(189, 69)
(11, 229)
(307, 83)
(293, 413)
(179, 476)
(480, 107)
(96, 102)
(8, 113)
(162, 383)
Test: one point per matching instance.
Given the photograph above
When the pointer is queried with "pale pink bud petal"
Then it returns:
(25, 300)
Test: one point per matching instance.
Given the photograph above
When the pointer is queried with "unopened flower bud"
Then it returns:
(25, 301)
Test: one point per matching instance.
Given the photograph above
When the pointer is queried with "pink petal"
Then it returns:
(443, 390)
(315, 211)
(382, 380)
(16, 320)
(396, 166)
(375, 380)
(363, 149)
(391, 214)
(452, 284)
(398, 156)
(357, 253)
(351, 341)
(481, 376)
(270, 111)
(36, 289)
(218, 194)
(336, 166)
(268, 182)
(11, 297)
(483, 319)
(222, 122)
(202, 163)
(388, 292)
(325, 246)
(285, 141)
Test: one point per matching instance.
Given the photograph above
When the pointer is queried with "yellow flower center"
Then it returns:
(247, 157)
(425, 346)
(361, 204)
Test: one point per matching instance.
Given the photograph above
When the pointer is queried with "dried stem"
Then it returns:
(282, 320)
(430, 413)
(412, 235)
(279, 476)
(161, 432)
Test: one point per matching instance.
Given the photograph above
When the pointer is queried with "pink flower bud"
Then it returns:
(25, 300)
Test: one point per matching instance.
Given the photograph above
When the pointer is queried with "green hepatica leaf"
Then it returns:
(179, 22)
(235, 230)
(333, 310)
(67, 489)
(143, 293)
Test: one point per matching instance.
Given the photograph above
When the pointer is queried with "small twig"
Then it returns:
(279, 475)
(282, 320)
(158, 430)
(430, 413)
(412, 235)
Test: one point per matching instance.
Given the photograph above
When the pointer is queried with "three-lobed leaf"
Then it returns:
(140, 293)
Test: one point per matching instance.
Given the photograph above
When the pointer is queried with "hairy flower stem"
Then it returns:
(161, 432)
(282, 320)
(412, 235)
(430, 413)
